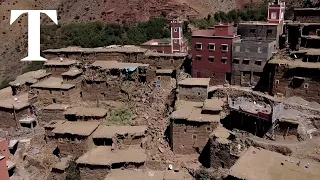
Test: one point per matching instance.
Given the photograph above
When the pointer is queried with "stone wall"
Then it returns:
(190, 137)
(192, 93)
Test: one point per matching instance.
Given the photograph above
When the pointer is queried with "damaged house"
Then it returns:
(57, 66)
(14, 109)
(54, 90)
(97, 163)
(53, 112)
(23, 82)
(124, 135)
(86, 114)
(191, 125)
(193, 89)
(111, 80)
(295, 78)
(72, 138)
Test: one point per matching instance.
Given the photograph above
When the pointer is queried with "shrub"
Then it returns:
(72, 172)
(33, 66)
(120, 116)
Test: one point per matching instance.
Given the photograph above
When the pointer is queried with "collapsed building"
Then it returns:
(192, 123)
(112, 79)
(97, 163)
(257, 118)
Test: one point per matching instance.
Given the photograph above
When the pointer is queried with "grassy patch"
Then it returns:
(120, 116)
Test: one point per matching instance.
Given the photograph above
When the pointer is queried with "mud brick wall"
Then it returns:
(7, 117)
(56, 176)
(75, 118)
(236, 78)
(190, 137)
(47, 115)
(94, 172)
(73, 79)
(220, 154)
(165, 81)
(56, 71)
(217, 78)
(71, 146)
(192, 93)
(285, 83)
(164, 62)
(287, 129)
(46, 96)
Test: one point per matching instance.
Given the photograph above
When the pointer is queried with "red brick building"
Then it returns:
(212, 53)
(4, 175)
(176, 44)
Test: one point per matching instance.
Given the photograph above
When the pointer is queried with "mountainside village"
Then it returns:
(241, 103)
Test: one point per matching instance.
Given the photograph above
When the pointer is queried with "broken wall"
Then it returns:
(70, 145)
(256, 31)
(301, 82)
(56, 71)
(190, 137)
(192, 93)
(7, 117)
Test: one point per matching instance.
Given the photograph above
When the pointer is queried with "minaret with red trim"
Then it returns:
(176, 35)
(276, 11)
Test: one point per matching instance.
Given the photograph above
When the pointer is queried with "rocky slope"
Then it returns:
(13, 46)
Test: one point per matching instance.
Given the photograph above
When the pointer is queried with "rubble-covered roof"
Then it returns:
(198, 117)
(72, 72)
(164, 71)
(63, 164)
(295, 63)
(54, 123)
(221, 134)
(137, 174)
(81, 128)
(55, 106)
(18, 102)
(60, 62)
(194, 114)
(214, 104)
(308, 51)
(53, 83)
(195, 82)
(261, 164)
(110, 49)
(86, 112)
(103, 155)
(29, 77)
(117, 65)
(111, 131)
